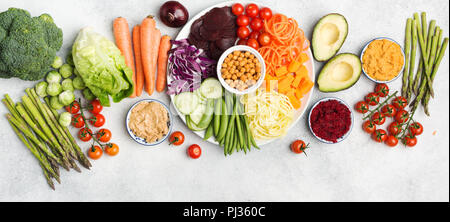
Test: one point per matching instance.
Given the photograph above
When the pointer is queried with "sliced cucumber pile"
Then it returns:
(211, 88)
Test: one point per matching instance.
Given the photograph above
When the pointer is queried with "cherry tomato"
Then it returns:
(402, 116)
(98, 120)
(264, 39)
(85, 134)
(194, 151)
(369, 127)
(256, 24)
(400, 102)
(104, 135)
(391, 141)
(95, 152)
(394, 128)
(243, 32)
(73, 108)
(253, 43)
(362, 107)
(379, 135)
(389, 110)
(372, 99)
(382, 89)
(177, 138)
(299, 146)
(252, 10)
(265, 13)
(378, 118)
(243, 20)
(242, 42)
(95, 107)
(77, 121)
(416, 129)
(410, 140)
(111, 149)
(237, 9)
(254, 35)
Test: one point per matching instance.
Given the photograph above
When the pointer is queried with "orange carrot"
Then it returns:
(156, 40)
(164, 48)
(137, 54)
(123, 41)
(148, 26)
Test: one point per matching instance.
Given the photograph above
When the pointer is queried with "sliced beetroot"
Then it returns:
(225, 44)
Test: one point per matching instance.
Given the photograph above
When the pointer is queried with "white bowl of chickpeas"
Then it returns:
(241, 69)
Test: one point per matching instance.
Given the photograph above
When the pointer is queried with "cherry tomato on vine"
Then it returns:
(391, 141)
(85, 134)
(111, 149)
(379, 135)
(394, 128)
(362, 107)
(369, 127)
(98, 120)
(389, 110)
(104, 135)
(243, 32)
(242, 20)
(372, 99)
(95, 152)
(409, 140)
(254, 35)
(73, 108)
(402, 116)
(253, 43)
(264, 39)
(242, 42)
(252, 10)
(95, 107)
(265, 13)
(237, 9)
(299, 146)
(177, 138)
(256, 24)
(382, 89)
(416, 129)
(77, 121)
(378, 118)
(400, 102)
(194, 151)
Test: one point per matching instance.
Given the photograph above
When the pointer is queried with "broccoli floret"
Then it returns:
(28, 45)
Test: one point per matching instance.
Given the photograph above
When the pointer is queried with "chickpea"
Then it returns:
(234, 77)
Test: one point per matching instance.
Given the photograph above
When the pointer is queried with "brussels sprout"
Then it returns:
(54, 89)
(78, 83)
(64, 119)
(55, 104)
(67, 84)
(66, 97)
(88, 95)
(66, 70)
(41, 89)
(57, 63)
(53, 77)
(69, 58)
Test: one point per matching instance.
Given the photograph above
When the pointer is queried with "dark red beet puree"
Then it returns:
(330, 120)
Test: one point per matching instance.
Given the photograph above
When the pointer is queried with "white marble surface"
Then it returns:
(355, 170)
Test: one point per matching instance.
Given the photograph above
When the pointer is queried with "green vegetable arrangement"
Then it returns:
(28, 45)
(102, 67)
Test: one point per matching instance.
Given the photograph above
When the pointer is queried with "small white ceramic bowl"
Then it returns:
(140, 140)
(246, 49)
(351, 117)
(362, 63)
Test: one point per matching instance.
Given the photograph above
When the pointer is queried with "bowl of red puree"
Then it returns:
(330, 120)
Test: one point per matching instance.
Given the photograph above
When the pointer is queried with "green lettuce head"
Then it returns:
(102, 67)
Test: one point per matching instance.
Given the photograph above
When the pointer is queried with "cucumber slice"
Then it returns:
(200, 96)
(186, 102)
(197, 114)
(211, 88)
(191, 125)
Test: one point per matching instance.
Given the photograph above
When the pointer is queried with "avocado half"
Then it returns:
(329, 35)
(340, 73)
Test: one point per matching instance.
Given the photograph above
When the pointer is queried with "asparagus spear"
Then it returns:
(413, 60)
(425, 57)
(31, 123)
(407, 57)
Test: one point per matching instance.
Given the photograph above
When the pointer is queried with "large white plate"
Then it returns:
(184, 33)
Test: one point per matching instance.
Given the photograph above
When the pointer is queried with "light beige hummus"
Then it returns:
(149, 120)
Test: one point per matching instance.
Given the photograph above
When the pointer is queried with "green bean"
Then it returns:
(209, 132)
(223, 121)
(217, 110)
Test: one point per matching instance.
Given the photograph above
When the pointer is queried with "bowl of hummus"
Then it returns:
(149, 122)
